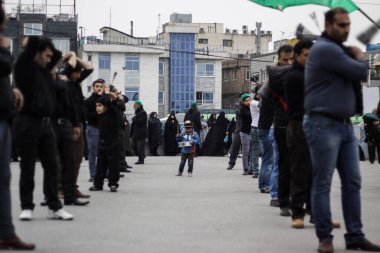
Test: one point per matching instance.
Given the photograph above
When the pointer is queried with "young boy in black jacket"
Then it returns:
(109, 145)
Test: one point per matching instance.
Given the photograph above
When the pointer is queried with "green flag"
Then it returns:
(282, 4)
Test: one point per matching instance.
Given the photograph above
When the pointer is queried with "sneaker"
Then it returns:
(265, 190)
(91, 179)
(274, 203)
(230, 166)
(255, 175)
(60, 214)
(113, 188)
(26, 215)
(95, 188)
(250, 173)
(298, 223)
(179, 174)
(190, 174)
(285, 212)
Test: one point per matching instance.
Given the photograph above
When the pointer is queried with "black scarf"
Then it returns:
(356, 84)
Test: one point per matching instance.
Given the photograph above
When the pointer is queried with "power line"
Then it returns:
(153, 48)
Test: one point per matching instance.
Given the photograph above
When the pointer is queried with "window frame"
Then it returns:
(163, 68)
(163, 98)
(34, 31)
(227, 43)
(102, 61)
(131, 90)
(135, 62)
(205, 73)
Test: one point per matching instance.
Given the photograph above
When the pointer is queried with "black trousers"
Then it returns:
(153, 149)
(235, 148)
(65, 147)
(123, 149)
(36, 139)
(108, 159)
(372, 146)
(283, 167)
(301, 170)
(138, 147)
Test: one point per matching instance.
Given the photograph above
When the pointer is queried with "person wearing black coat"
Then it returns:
(195, 117)
(244, 113)
(211, 120)
(214, 144)
(139, 131)
(170, 135)
(154, 133)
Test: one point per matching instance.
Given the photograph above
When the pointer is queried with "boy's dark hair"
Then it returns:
(330, 14)
(284, 48)
(302, 44)
(103, 100)
(45, 43)
(98, 81)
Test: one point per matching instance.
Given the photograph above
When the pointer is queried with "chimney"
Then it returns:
(132, 28)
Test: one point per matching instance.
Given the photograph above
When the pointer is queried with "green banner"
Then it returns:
(282, 4)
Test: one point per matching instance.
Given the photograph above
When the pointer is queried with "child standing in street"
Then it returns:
(188, 139)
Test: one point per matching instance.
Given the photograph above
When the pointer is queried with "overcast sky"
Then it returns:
(233, 13)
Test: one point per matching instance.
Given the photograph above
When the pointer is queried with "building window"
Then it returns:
(161, 68)
(160, 97)
(202, 41)
(33, 29)
(233, 73)
(62, 45)
(132, 93)
(225, 76)
(132, 63)
(227, 43)
(104, 60)
(247, 75)
(205, 98)
(205, 69)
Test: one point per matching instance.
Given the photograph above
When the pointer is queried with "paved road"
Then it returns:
(214, 211)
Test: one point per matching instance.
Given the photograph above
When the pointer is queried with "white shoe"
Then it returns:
(26, 215)
(61, 214)
(190, 174)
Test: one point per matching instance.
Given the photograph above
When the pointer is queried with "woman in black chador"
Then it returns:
(211, 120)
(214, 144)
(170, 135)
(154, 128)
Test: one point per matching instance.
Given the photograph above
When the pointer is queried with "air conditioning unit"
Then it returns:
(234, 31)
(228, 31)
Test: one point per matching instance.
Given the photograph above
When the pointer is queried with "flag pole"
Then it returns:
(369, 18)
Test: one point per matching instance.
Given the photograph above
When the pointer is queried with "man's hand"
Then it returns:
(76, 132)
(357, 53)
(68, 55)
(18, 99)
(4, 42)
(63, 77)
(24, 42)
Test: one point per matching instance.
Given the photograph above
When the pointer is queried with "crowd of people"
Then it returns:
(298, 122)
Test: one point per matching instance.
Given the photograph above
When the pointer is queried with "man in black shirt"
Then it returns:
(139, 131)
(33, 127)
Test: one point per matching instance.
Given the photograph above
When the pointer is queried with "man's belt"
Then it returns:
(330, 116)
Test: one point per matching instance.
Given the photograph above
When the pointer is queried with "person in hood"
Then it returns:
(214, 144)
(195, 117)
(170, 135)
(154, 133)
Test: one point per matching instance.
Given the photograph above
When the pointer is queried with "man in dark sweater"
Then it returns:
(109, 145)
(244, 113)
(333, 95)
(139, 131)
(92, 130)
(236, 143)
(77, 70)
(8, 237)
(33, 127)
(277, 75)
(299, 155)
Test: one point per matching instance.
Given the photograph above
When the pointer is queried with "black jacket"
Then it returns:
(266, 112)
(35, 83)
(7, 107)
(195, 117)
(238, 118)
(154, 129)
(277, 75)
(294, 91)
(90, 110)
(109, 123)
(139, 124)
(65, 105)
(244, 113)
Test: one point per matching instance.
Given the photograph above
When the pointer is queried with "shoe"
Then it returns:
(60, 214)
(129, 167)
(245, 173)
(26, 215)
(15, 243)
(91, 179)
(274, 203)
(80, 195)
(190, 174)
(121, 175)
(250, 173)
(326, 246)
(125, 170)
(139, 162)
(285, 212)
(298, 223)
(255, 175)
(240, 155)
(363, 245)
(113, 188)
(76, 202)
(179, 174)
(43, 203)
(335, 224)
(230, 166)
(95, 188)
(265, 190)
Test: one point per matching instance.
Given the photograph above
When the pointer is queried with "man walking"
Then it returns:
(139, 131)
(333, 95)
